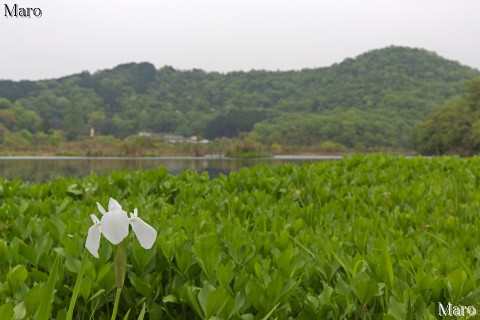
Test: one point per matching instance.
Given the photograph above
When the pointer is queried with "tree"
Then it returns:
(472, 93)
(26, 119)
(99, 121)
(233, 122)
(74, 124)
(453, 128)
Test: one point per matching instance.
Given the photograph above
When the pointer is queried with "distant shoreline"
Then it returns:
(205, 157)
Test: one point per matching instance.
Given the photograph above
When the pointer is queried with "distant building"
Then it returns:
(171, 138)
(145, 134)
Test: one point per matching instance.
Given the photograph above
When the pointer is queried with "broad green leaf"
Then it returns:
(225, 273)
(17, 276)
(220, 304)
(186, 293)
(397, 310)
(456, 281)
(33, 298)
(364, 287)
(29, 253)
(19, 311)
(206, 290)
(6, 311)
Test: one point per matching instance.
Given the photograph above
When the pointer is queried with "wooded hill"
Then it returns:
(371, 101)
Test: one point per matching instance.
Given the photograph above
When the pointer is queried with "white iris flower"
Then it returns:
(114, 226)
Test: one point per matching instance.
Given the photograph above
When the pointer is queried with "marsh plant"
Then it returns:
(365, 237)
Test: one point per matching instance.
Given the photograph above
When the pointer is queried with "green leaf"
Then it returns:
(170, 299)
(364, 287)
(207, 253)
(17, 276)
(397, 309)
(186, 293)
(271, 312)
(43, 312)
(127, 314)
(219, 303)
(140, 285)
(471, 299)
(33, 298)
(203, 296)
(225, 273)
(456, 281)
(76, 288)
(142, 313)
(6, 311)
(4, 252)
(28, 252)
(74, 190)
(256, 295)
(19, 311)
(96, 294)
(387, 262)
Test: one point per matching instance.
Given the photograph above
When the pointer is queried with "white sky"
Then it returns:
(226, 35)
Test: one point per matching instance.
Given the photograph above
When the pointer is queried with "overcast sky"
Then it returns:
(226, 35)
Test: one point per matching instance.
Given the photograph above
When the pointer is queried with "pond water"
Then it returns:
(40, 169)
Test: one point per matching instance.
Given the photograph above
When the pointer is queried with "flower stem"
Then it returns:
(115, 306)
(120, 271)
(120, 264)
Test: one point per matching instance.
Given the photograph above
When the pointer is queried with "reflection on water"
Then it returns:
(40, 169)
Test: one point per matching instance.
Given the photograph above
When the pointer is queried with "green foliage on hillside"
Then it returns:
(453, 128)
(370, 101)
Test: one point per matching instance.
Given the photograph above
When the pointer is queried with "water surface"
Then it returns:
(40, 169)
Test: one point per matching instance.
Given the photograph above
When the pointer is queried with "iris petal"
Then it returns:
(100, 208)
(115, 226)
(93, 239)
(94, 218)
(146, 235)
(113, 205)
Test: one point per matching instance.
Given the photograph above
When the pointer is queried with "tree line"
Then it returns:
(454, 127)
(372, 101)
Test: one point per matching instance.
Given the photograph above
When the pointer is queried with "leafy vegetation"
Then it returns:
(453, 128)
(366, 237)
(371, 101)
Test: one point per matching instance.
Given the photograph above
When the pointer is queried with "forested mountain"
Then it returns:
(373, 100)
